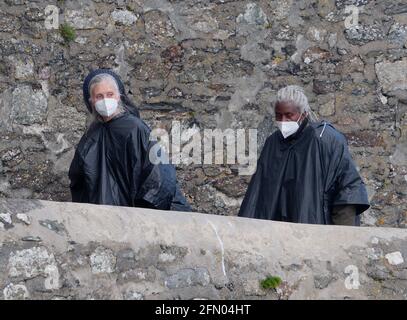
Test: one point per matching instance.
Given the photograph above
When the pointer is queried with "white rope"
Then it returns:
(323, 129)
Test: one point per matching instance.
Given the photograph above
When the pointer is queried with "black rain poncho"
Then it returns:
(112, 166)
(301, 179)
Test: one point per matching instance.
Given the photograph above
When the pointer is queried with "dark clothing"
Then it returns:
(345, 215)
(301, 178)
(112, 166)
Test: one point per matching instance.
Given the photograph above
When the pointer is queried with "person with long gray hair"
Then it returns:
(112, 163)
(305, 172)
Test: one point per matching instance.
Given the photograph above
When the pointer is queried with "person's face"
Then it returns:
(103, 90)
(286, 111)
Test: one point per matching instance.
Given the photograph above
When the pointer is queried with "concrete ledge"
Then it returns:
(56, 250)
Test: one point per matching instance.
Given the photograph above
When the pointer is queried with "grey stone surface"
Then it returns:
(102, 260)
(15, 292)
(180, 256)
(187, 278)
(362, 34)
(253, 15)
(28, 106)
(124, 17)
(392, 75)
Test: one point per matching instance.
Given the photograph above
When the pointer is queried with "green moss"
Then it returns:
(271, 282)
(278, 59)
(67, 32)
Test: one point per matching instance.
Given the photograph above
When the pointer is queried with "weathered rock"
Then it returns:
(314, 34)
(124, 17)
(28, 106)
(315, 53)
(133, 295)
(343, 3)
(204, 23)
(362, 34)
(158, 26)
(5, 218)
(395, 7)
(301, 44)
(398, 33)
(332, 40)
(24, 68)
(254, 53)
(187, 278)
(84, 19)
(15, 292)
(102, 260)
(190, 255)
(24, 218)
(253, 15)
(392, 75)
(327, 109)
(323, 86)
(34, 262)
(53, 225)
(394, 258)
(8, 24)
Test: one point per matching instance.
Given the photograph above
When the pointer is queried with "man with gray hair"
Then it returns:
(305, 172)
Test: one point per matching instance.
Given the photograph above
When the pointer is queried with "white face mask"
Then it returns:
(106, 107)
(288, 128)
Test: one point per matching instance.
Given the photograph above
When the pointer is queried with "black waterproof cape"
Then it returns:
(111, 166)
(299, 179)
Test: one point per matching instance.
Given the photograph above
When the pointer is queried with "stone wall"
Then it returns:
(57, 250)
(209, 64)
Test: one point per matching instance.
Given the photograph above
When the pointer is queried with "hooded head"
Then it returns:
(109, 77)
